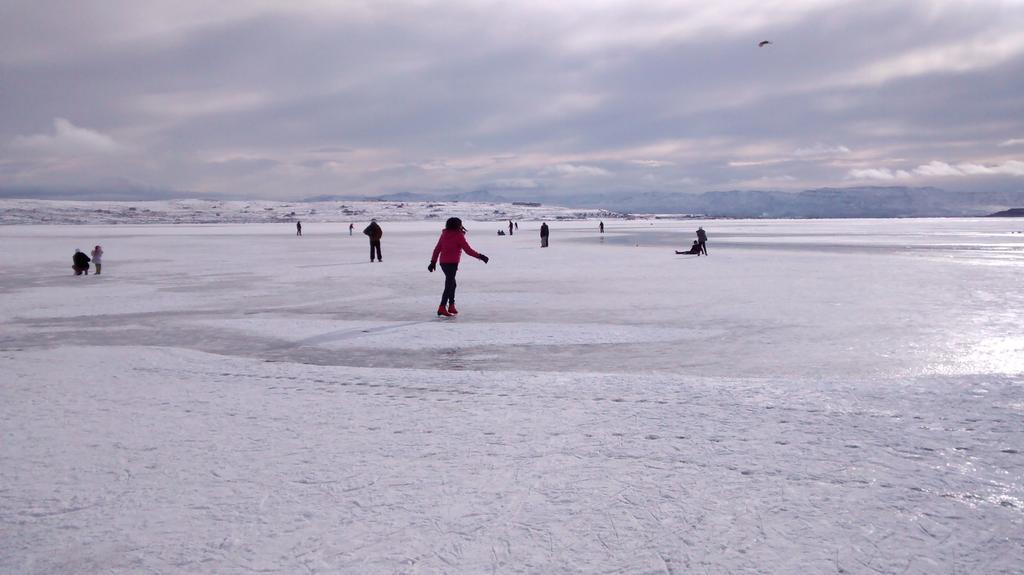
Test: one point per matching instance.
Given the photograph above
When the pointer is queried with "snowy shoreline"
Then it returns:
(37, 212)
(215, 212)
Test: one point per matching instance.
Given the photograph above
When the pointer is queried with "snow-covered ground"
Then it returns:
(26, 211)
(814, 397)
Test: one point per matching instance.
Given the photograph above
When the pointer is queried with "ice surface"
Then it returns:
(815, 396)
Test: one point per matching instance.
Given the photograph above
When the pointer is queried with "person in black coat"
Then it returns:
(702, 239)
(80, 263)
(544, 232)
(373, 230)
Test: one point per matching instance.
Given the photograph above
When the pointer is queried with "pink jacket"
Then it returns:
(450, 246)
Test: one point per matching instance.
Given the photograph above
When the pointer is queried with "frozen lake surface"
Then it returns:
(814, 397)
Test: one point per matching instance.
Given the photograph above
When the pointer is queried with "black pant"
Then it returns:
(703, 247)
(448, 297)
(543, 241)
(375, 245)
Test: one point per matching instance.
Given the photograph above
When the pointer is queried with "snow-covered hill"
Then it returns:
(24, 211)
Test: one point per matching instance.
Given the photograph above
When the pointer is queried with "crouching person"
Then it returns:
(80, 263)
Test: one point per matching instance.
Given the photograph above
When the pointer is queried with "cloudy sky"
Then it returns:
(270, 99)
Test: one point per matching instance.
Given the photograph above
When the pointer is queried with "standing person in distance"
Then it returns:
(448, 252)
(600, 226)
(298, 228)
(510, 227)
(97, 258)
(702, 239)
(373, 230)
(350, 228)
(544, 232)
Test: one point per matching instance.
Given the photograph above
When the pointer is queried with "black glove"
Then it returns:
(431, 267)
(484, 258)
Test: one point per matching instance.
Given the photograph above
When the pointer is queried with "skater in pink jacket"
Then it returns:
(448, 252)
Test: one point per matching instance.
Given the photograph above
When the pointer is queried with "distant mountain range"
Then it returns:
(867, 202)
(1010, 213)
(870, 202)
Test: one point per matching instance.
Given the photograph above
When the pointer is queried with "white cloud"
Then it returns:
(577, 170)
(816, 151)
(754, 163)
(555, 106)
(610, 24)
(591, 24)
(34, 32)
(652, 163)
(67, 139)
(884, 174)
(191, 104)
(985, 51)
(516, 184)
(820, 149)
(936, 169)
(583, 96)
(782, 178)
(1008, 168)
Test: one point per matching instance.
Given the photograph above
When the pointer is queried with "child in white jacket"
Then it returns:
(97, 258)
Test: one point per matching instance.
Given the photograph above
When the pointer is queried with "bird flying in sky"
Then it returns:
(763, 43)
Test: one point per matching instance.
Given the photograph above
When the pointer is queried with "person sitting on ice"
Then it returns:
(80, 263)
(694, 249)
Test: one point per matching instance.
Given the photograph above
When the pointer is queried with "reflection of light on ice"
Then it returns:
(999, 355)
